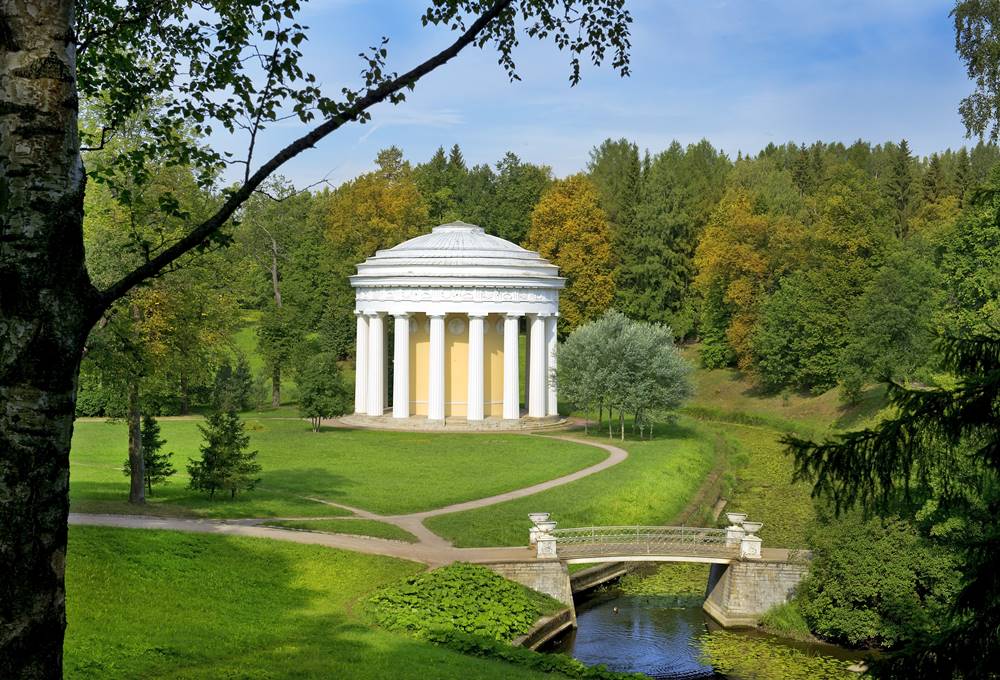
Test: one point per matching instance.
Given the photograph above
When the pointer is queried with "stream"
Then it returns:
(660, 637)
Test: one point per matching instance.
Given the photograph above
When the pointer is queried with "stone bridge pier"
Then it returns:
(739, 593)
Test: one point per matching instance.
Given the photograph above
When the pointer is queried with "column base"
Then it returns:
(452, 423)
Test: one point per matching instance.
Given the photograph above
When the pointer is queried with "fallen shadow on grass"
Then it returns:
(661, 430)
(157, 604)
(313, 481)
(280, 492)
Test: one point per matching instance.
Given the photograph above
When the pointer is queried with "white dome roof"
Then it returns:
(457, 254)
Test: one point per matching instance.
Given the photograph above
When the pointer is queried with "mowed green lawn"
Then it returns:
(651, 486)
(385, 472)
(157, 604)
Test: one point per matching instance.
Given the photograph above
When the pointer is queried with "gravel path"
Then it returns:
(430, 548)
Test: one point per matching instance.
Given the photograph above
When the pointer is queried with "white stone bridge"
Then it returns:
(745, 580)
(586, 545)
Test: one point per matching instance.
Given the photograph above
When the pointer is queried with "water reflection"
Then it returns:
(650, 635)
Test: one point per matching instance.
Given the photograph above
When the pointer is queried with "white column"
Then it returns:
(474, 409)
(527, 361)
(550, 369)
(436, 368)
(536, 386)
(376, 367)
(511, 407)
(385, 366)
(361, 365)
(401, 367)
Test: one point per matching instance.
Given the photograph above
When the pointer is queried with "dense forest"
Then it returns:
(807, 267)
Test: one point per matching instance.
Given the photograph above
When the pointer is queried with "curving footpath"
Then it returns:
(430, 548)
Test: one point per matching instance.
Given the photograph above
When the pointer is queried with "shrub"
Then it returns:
(876, 582)
(323, 391)
(462, 597)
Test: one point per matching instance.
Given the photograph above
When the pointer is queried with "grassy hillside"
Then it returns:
(157, 604)
(727, 402)
(730, 394)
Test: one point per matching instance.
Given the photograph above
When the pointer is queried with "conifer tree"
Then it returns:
(941, 445)
(156, 466)
(899, 186)
(802, 170)
(615, 170)
(518, 188)
(963, 174)
(933, 182)
(225, 463)
(433, 180)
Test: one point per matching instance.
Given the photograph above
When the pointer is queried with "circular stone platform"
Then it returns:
(453, 424)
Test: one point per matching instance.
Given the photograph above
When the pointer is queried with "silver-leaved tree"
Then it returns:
(178, 69)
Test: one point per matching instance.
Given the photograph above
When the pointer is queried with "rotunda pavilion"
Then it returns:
(451, 303)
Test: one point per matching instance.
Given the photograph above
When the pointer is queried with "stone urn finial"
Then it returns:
(750, 544)
(535, 518)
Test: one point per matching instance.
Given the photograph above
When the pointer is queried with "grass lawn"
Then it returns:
(152, 604)
(385, 472)
(358, 527)
(650, 487)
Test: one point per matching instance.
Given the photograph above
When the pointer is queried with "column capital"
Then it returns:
(437, 315)
(401, 315)
(513, 315)
(477, 315)
(358, 312)
(373, 314)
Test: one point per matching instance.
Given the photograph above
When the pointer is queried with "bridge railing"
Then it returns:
(642, 540)
(737, 540)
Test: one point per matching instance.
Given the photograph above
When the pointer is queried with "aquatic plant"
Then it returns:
(754, 658)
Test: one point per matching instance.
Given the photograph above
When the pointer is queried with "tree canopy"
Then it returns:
(569, 229)
(632, 366)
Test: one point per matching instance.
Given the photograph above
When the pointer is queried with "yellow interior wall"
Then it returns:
(493, 368)
(420, 345)
(456, 358)
(456, 362)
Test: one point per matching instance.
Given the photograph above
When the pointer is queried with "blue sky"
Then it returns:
(739, 73)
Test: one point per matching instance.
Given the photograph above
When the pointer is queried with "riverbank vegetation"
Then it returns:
(464, 597)
(933, 461)
(471, 609)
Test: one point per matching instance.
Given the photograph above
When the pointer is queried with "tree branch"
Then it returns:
(104, 139)
(204, 230)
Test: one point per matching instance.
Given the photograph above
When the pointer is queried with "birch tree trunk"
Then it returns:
(47, 306)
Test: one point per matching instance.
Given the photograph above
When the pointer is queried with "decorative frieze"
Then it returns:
(402, 294)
